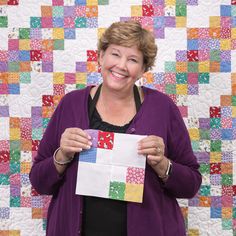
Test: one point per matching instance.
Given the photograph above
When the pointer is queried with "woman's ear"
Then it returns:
(100, 57)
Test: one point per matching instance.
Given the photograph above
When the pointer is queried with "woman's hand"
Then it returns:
(153, 148)
(74, 140)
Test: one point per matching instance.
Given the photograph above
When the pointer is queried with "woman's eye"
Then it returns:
(115, 54)
(133, 60)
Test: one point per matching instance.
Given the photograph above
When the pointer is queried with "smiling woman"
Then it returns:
(126, 51)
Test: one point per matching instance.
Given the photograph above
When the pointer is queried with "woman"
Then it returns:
(126, 51)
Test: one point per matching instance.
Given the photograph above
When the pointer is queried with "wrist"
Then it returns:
(61, 162)
(168, 170)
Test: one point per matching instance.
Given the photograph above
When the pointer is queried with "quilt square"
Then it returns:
(105, 140)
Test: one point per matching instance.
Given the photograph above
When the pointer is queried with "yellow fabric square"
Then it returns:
(194, 134)
(226, 212)
(203, 66)
(193, 232)
(100, 32)
(13, 78)
(134, 192)
(24, 44)
(215, 157)
(81, 78)
(148, 77)
(58, 33)
(181, 89)
(170, 2)
(91, 2)
(225, 44)
(25, 167)
(136, 11)
(58, 78)
(181, 21)
(14, 233)
(181, 66)
(14, 134)
(233, 111)
(233, 33)
(214, 21)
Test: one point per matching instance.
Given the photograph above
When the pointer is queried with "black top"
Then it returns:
(101, 216)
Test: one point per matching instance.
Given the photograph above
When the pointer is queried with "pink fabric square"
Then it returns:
(135, 175)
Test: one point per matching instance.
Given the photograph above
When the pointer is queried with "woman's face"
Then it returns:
(121, 66)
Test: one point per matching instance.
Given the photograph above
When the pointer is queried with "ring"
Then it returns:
(158, 150)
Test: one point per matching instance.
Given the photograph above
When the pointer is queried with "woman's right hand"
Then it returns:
(74, 140)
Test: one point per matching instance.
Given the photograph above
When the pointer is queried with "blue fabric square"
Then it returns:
(88, 155)
(225, 66)
(233, 122)
(233, 21)
(226, 134)
(14, 88)
(158, 78)
(58, 22)
(214, 44)
(80, 2)
(69, 33)
(158, 22)
(24, 55)
(94, 78)
(193, 44)
(215, 212)
(225, 10)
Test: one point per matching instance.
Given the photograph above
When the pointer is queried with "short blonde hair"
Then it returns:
(128, 34)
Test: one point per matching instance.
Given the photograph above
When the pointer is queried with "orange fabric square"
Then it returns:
(214, 66)
(13, 78)
(47, 45)
(226, 212)
(26, 145)
(181, 67)
(226, 168)
(36, 213)
(192, 33)
(204, 201)
(225, 100)
(4, 78)
(46, 11)
(14, 122)
(91, 11)
(25, 66)
(215, 33)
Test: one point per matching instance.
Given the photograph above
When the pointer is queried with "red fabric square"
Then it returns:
(192, 55)
(35, 145)
(34, 192)
(47, 100)
(92, 55)
(26, 128)
(105, 140)
(35, 55)
(234, 190)
(4, 156)
(13, 2)
(233, 2)
(225, 33)
(148, 10)
(215, 168)
(227, 190)
(215, 112)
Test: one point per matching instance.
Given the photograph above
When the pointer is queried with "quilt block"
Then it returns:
(112, 167)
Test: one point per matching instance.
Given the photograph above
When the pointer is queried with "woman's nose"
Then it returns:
(122, 63)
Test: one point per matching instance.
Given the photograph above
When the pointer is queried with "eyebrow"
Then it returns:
(136, 56)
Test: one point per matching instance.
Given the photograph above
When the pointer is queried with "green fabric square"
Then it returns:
(181, 78)
(205, 190)
(80, 86)
(103, 2)
(181, 10)
(195, 145)
(227, 224)
(215, 145)
(45, 122)
(233, 100)
(170, 66)
(226, 179)
(15, 167)
(215, 123)
(170, 89)
(44, 224)
(204, 168)
(58, 44)
(14, 156)
(13, 66)
(3, 22)
(4, 179)
(24, 33)
(180, 1)
(37, 134)
(117, 190)
(58, 11)
(234, 212)
(203, 78)
(204, 134)
(35, 22)
(215, 55)
(192, 66)
(233, 10)
(15, 145)
(14, 201)
(25, 78)
(80, 22)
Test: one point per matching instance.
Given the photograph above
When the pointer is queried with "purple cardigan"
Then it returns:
(159, 214)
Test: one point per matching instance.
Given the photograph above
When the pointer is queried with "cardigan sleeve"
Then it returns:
(185, 179)
(43, 175)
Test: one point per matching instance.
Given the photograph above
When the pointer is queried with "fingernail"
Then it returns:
(90, 143)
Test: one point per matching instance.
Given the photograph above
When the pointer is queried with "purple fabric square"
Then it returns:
(4, 111)
(204, 123)
(159, 33)
(36, 111)
(225, 55)
(15, 190)
(159, 2)
(170, 21)
(203, 43)
(181, 55)
(47, 66)
(3, 66)
(37, 202)
(13, 55)
(192, 2)
(81, 66)
(35, 33)
(202, 157)
(215, 134)
(69, 11)
(193, 89)
(94, 135)
(193, 201)
(227, 157)
(216, 201)
(215, 179)
(36, 122)
(4, 212)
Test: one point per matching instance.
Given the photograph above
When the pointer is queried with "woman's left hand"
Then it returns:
(153, 148)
